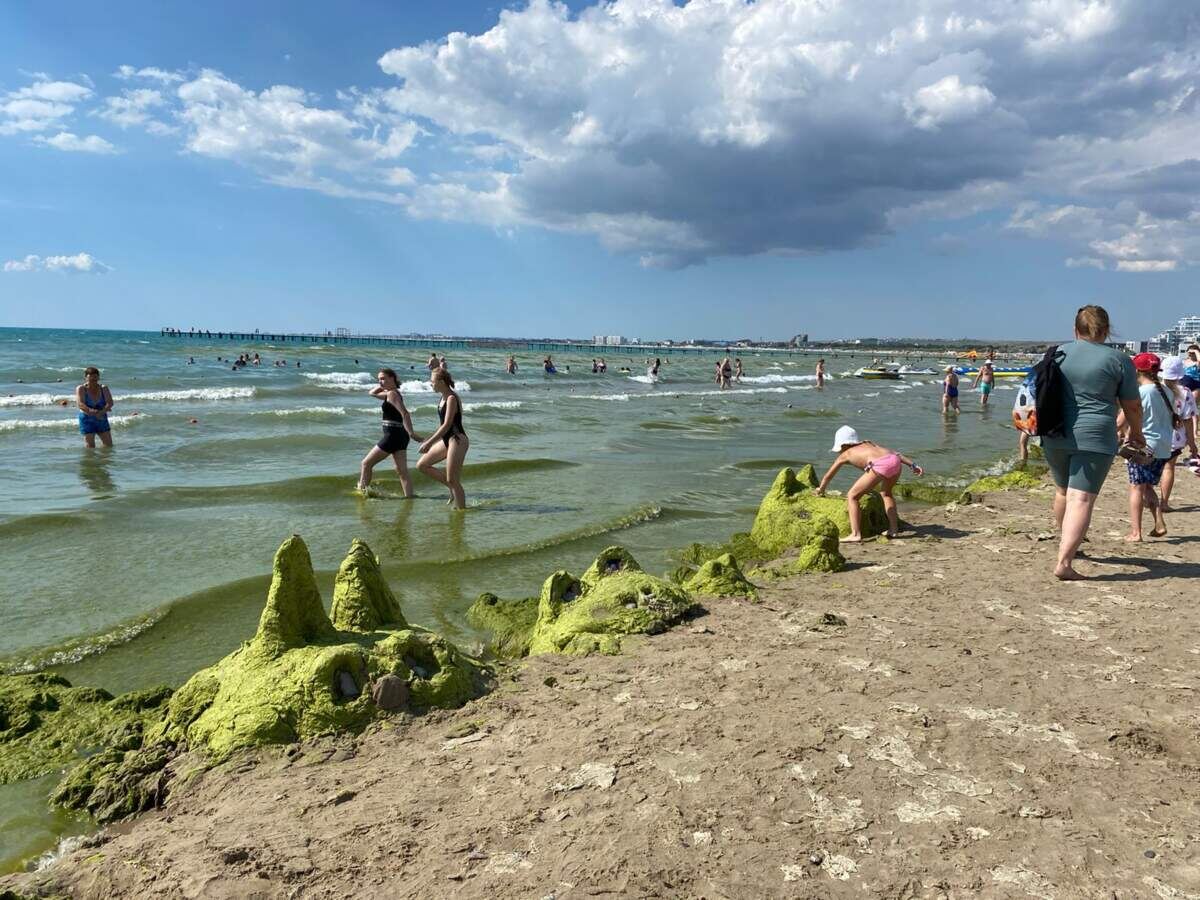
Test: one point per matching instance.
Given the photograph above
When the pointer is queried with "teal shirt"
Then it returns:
(1096, 377)
(1156, 421)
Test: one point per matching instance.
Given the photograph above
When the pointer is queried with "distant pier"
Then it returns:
(438, 344)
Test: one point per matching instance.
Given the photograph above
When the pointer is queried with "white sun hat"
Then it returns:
(1172, 368)
(845, 435)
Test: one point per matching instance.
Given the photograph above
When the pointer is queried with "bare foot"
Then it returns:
(1133, 538)
(851, 539)
(1066, 573)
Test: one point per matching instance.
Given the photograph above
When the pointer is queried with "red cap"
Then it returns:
(1147, 362)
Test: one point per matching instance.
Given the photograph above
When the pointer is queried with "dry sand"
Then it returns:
(975, 728)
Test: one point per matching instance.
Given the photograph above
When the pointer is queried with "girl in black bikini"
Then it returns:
(449, 442)
(397, 430)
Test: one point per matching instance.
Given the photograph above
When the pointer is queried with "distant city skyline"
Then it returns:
(929, 167)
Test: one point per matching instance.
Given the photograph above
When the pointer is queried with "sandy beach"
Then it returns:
(942, 719)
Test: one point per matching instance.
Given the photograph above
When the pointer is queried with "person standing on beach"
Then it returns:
(950, 391)
(1183, 437)
(821, 374)
(985, 380)
(1096, 379)
(397, 430)
(94, 401)
(449, 442)
(881, 467)
(1159, 420)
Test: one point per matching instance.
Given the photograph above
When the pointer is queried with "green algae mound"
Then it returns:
(362, 600)
(721, 577)
(300, 676)
(928, 492)
(1018, 479)
(510, 622)
(46, 724)
(618, 599)
(822, 553)
(788, 512)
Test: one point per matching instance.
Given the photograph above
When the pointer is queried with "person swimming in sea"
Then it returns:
(603, 366)
(511, 366)
(94, 401)
(726, 372)
(653, 370)
(433, 362)
(881, 468)
(950, 391)
(821, 374)
(548, 366)
(449, 442)
(397, 431)
(738, 371)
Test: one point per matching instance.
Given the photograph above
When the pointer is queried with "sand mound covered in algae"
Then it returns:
(303, 674)
(789, 512)
(300, 676)
(594, 613)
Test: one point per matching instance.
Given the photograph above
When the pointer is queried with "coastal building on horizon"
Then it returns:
(609, 340)
(1175, 339)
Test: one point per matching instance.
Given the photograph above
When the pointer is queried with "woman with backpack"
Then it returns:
(1095, 381)
(1159, 421)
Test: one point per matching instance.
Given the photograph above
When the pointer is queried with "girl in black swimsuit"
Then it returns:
(449, 442)
(397, 429)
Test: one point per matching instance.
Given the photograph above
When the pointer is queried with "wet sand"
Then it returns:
(974, 728)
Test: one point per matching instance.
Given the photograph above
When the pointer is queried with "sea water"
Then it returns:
(137, 566)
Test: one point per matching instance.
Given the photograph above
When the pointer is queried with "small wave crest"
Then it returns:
(73, 651)
(355, 378)
(776, 379)
(644, 379)
(304, 411)
(34, 424)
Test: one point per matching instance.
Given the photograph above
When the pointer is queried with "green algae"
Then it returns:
(610, 561)
(116, 782)
(300, 677)
(1018, 479)
(927, 492)
(510, 622)
(721, 577)
(822, 553)
(362, 599)
(790, 509)
(617, 599)
(46, 723)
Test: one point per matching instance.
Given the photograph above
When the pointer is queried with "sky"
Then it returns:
(715, 168)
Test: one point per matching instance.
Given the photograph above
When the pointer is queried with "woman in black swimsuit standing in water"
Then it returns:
(397, 430)
(449, 442)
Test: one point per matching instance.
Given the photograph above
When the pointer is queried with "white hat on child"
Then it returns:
(845, 435)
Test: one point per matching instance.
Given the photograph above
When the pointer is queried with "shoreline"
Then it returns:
(1049, 680)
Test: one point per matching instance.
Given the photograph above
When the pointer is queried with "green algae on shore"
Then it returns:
(617, 599)
(510, 622)
(1017, 479)
(787, 515)
(46, 724)
(299, 676)
(721, 577)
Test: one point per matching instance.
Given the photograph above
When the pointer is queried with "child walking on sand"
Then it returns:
(881, 466)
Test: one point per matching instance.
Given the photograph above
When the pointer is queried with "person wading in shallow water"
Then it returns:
(94, 401)
(449, 442)
(397, 430)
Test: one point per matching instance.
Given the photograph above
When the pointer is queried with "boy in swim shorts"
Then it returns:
(881, 467)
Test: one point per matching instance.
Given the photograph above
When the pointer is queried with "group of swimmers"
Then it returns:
(985, 383)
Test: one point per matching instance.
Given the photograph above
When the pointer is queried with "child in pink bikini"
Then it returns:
(880, 466)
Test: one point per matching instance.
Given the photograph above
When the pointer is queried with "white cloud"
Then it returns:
(83, 263)
(39, 106)
(72, 143)
(1080, 262)
(1147, 265)
(128, 73)
(947, 100)
(133, 107)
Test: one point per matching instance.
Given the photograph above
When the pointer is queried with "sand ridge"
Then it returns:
(974, 728)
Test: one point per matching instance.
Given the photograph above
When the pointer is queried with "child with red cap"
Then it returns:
(1159, 421)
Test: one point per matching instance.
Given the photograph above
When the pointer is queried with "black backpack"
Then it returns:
(1049, 390)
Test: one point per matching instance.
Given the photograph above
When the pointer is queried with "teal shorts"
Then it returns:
(985, 387)
(1082, 470)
